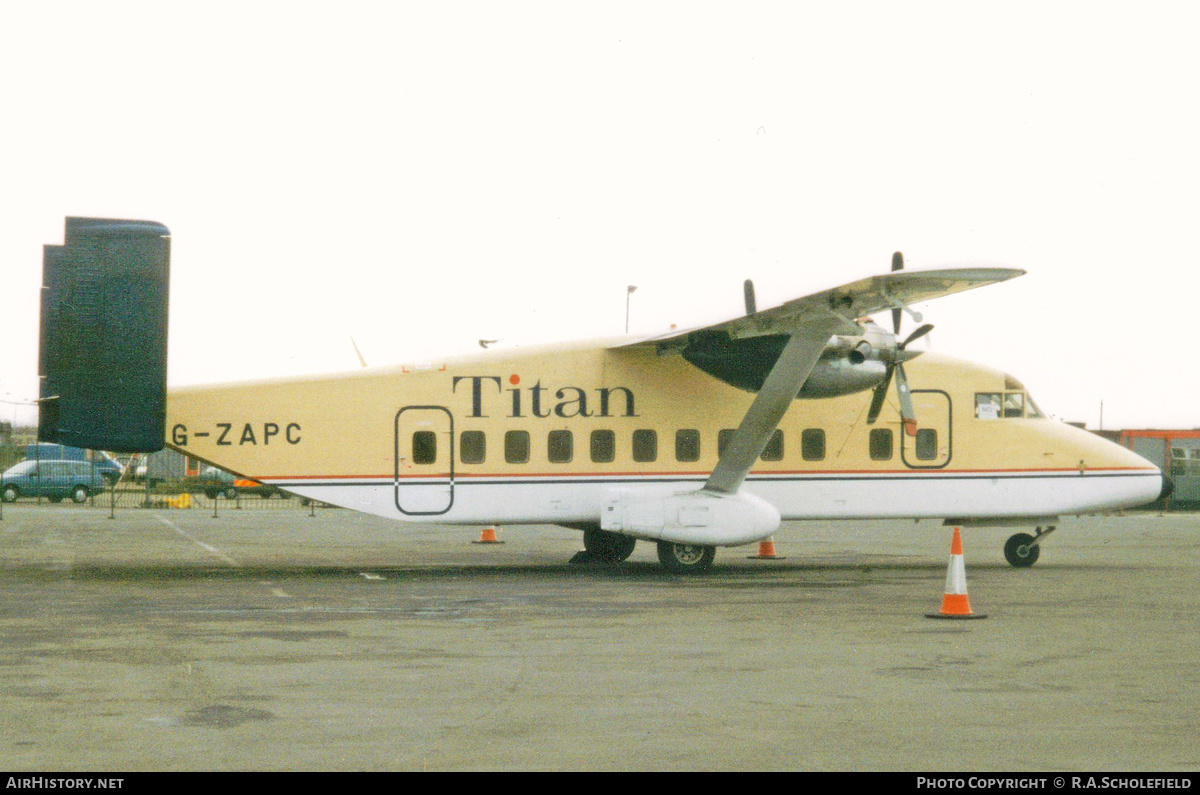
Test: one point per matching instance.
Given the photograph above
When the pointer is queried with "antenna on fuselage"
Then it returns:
(748, 292)
(358, 353)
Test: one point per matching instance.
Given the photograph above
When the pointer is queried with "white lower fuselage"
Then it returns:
(555, 499)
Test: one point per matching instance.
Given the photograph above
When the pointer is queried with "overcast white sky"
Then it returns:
(418, 175)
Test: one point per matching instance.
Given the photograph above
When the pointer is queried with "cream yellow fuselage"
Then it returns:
(548, 435)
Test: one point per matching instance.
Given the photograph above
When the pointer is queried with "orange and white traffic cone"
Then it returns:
(955, 603)
(766, 550)
(488, 536)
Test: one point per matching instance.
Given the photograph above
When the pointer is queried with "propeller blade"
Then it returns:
(748, 291)
(907, 414)
(916, 335)
(879, 396)
(897, 265)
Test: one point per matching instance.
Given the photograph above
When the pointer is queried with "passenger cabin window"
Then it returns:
(926, 444)
(772, 452)
(645, 446)
(774, 449)
(472, 447)
(687, 445)
(560, 447)
(516, 447)
(812, 444)
(424, 447)
(880, 444)
(604, 446)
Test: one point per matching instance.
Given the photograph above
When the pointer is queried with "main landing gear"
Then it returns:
(1022, 549)
(685, 558)
(602, 546)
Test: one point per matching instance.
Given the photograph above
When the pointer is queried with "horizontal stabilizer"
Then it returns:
(103, 358)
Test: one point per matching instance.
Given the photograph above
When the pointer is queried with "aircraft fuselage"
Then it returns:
(550, 435)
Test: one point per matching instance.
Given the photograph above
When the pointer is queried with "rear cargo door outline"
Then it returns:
(429, 492)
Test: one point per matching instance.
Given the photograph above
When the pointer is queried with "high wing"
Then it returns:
(848, 303)
(809, 322)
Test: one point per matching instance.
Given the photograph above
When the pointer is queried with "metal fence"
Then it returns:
(174, 493)
(195, 495)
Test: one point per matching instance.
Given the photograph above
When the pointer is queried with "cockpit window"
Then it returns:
(1014, 404)
(987, 405)
(1005, 405)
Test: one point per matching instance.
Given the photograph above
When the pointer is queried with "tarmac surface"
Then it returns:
(276, 640)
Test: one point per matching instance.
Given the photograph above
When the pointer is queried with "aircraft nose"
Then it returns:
(1167, 488)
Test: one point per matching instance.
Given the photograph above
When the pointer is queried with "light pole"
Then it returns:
(628, 292)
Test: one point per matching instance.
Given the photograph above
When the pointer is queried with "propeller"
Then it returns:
(896, 368)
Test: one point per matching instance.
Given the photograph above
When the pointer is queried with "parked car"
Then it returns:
(51, 479)
(217, 481)
(109, 468)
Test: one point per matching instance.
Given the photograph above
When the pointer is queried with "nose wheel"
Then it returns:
(1022, 550)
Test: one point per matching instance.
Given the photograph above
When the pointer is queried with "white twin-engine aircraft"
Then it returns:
(692, 439)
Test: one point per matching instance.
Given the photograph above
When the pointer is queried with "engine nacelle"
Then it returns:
(848, 364)
(842, 372)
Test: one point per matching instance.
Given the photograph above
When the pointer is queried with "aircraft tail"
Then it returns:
(103, 357)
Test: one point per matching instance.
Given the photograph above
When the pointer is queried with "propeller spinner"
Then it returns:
(896, 367)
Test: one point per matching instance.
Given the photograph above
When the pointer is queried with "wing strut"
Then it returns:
(792, 369)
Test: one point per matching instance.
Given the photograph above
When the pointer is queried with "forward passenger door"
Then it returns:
(931, 448)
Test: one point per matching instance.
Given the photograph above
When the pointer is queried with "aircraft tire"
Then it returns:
(231, 493)
(608, 546)
(10, 494)
(1019, 553)
(79, 494)
(685, 558)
